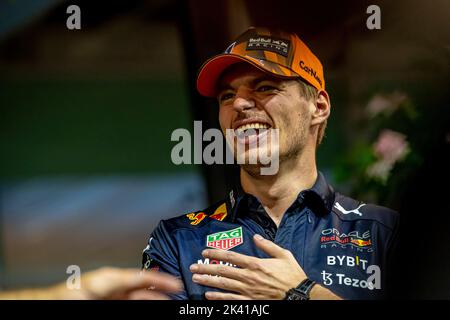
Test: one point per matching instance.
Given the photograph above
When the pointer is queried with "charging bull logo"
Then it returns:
(220, 213)
(196, 218)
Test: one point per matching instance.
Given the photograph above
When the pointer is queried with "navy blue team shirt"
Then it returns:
(342, 244)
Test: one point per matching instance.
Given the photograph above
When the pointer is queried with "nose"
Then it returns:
(243, 100)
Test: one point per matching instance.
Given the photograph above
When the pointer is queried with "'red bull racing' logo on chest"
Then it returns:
(225, 240)
(354, 238)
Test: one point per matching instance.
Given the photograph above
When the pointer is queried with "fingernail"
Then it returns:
(205, 253)
(193, 267)
(258, 237)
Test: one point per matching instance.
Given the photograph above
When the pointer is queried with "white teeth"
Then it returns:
(255, 125)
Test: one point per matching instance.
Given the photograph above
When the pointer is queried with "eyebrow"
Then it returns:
(253, 83)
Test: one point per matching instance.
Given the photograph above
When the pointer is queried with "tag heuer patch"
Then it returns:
(225, 239)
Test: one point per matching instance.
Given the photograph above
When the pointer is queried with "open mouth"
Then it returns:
(251, 129)
(252, 134)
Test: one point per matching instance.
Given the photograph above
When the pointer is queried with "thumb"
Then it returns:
(269, 247)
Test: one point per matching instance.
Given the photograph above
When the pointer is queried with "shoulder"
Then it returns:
(196, 219)
(348, 209)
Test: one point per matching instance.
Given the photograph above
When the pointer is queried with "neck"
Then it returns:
(277, 192)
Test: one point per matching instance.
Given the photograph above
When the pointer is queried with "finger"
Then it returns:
(219, 270)
(212, 295)
(269, 247)
(144, 294)
(219, 282)
(133, 279)
(234, 258)
(159, 281)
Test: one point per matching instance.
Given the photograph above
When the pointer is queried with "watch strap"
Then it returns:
(302, 291)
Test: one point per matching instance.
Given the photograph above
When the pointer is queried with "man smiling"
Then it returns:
(286, 235)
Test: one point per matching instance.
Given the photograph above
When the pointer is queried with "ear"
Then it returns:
(322, 108)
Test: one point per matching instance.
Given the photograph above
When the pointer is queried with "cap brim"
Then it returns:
(213, 68)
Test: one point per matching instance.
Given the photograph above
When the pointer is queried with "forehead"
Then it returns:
(241, 73)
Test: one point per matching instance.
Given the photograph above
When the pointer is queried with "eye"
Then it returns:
(265, 88)
(226, 96)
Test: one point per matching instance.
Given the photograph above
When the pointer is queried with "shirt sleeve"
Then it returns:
(161, 255)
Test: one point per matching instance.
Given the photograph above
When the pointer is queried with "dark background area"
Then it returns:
(86, 118)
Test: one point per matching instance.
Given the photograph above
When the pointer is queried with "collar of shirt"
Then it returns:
(319, 198)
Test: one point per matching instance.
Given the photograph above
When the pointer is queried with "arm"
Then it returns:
(104, 283)
(161, 255)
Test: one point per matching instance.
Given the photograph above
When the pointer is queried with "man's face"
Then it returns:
(250, 97)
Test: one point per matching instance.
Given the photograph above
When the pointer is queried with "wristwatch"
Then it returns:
(301, 292)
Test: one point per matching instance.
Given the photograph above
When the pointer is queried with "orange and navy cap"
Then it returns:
(277, 52)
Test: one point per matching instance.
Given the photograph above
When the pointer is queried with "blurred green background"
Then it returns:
(90, 126)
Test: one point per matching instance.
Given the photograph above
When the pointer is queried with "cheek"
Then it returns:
(284, 112)
(292, 121)
(286, 118)
(225, 117)
(301, 115)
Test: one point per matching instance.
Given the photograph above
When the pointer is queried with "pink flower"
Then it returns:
(390, 147)
(385, 103)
